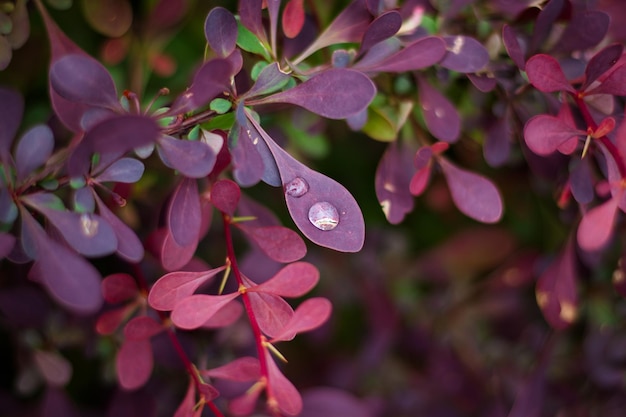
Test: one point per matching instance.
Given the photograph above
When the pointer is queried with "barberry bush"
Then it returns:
(307, 208)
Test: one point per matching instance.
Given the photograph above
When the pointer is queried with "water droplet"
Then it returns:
(297, 187)
(439, 112)
(88, 225)
(324, 216)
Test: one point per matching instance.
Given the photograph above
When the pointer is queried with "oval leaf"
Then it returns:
(293, 280)
(271, 312)
(125, 170)
(441, 117)
(545, 73)
(193, 311)
(120, 287)
(134, 363)
(142, 328)
(420, 54)
(175, 286)
(277, 242)
(194, 159)
(129, 247)
(184, 216)
(392, 183)
(464, 54)
(33, 150)
(544, 134)
(597, 225)
(220, 29)
(225, 195)
(309, 315)
(383, 27)
(293, 18)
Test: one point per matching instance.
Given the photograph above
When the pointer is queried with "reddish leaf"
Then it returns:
(293, 18)
(56, 370)
(183, 213)
(383, 27)
(605, 127)
(11, 110)
(220, 30)
(173, 255)
(277, 242)
(193, 311)
(142, 328)
(187, 407)
(581, 180)
(420, 54)
(419, 181)
(597, 226)
(544, 134)
(336, 93)
(513, 47)
(441, 117)
(271, 312)
(242, 369)
(293, 280)
(134, 363)
(614, 83)
(281, 392)
(473, 194)
(545, 73)
(464, 54)
(7, 242)
(224, 317)
(601, 62)
(309, 315)
(109, 321)
(225, 195)
(244, 405)
(392, 182)
(556, 290)
(176, 286)
(120, 287)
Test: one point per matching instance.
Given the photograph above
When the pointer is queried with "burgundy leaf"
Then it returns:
(120, 287)
(194, 159)
(321, 208)
(134, 363)
(7, 242)
(167, 13)
(497, 145)
(271, 312)
(69, 278)
(11, 110)
(483, 82)
(56, 370)
(513, 46)
(441, 117)
(193, 311)
(464, 54)
(82, 79)
(225, 195)
(282, 392)
(383, 27)
(251, 18)
(293, 18)
(544, 133)
(33, 150)
(277, 242)
(241, 369)
(109, 321)
(309, 315)
(473, 194)
(184, 214)
(142, 328)
(544, 22)
(175, 286)
(129, 247)
(336, 93)
(332, 402)
(125, 170)
(293, 280)
(220, 30)
(392, 182)
(113, 138)
(420, 54)
(601, 62)
(597, 225)
(556, 291)
(613, 83)
(545, 73)
(584, 31)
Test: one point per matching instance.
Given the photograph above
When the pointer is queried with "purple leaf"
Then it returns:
(120, 287)
(325, 212)
(544, 133)
(271, 312)
(250, 13)
(184, 215)
(142, 328)
(545, 73)
(483, 82)
(270, 79)
(420, 54)
(176, 286)
(33, 150)
(513, 47)
(309, 315)
(497, 145)
(332, 402)
(601, 62)
(556, 290)
(11, 110)
(293, 280)
(584, 31)
(283, 393)
(544, 22)
(273, 7)
(173, 255)
(464, 54)
(129, 247)
(613, 83)
(82, 79)
(597, 226)
(248, 166)
(277, 242)
(220, 30)
(225, 195)
(134, 362)
(383, 27)
(7, 242)
(211, 80)
(113, 138)
(193, 311)
(441, 117)
(581, 180)
(70, 279)
(194, 159)
(335, 93)
(392, 182)
(241, 369)
(125, 170)
(473, 194)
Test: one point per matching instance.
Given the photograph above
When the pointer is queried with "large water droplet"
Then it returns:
(324, 215)
(297, 187)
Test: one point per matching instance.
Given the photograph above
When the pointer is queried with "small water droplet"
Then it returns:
(297, 187)
(324, 215)
(88, 225)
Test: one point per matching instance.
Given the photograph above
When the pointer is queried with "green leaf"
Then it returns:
(221, 122)
(220, 105)
(380, 125)
(250, 43)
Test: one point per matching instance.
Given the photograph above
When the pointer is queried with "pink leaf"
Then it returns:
(119, 287)
(281, 391)
(545, 73)
(597, 225)
(544, 134)
(134, 363)
(187, 407)
(193, 311)
(309, 315)
(293, 18)
(225, 316)
(294, 280)
(175, 286)
(419, 181)
(244, 404)
(277, 242)
(173, 255)
(109, 321)
(271, 312)
(473, 194)
(142, 328)
(242, 369)
(184, 215)
(556, 290)
(225, 195)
